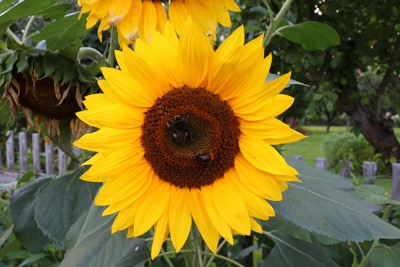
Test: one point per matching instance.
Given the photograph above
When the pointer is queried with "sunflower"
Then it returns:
(186, 134)
(132, 17)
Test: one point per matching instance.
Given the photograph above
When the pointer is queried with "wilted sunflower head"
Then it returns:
(142, 17)
(186, 134)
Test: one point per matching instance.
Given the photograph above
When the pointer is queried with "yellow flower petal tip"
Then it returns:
(133, 17)
(187, 135)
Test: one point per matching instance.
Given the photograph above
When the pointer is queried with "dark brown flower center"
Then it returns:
(190, 137)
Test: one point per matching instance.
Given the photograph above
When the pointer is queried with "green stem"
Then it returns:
(224, 258)
(88, 52)
(375, 243)
(26, 30)
(111, 54)
(188, 257)
(166, 258)
(210, 261)
(274, 21)
(13, 36)
(197, 247)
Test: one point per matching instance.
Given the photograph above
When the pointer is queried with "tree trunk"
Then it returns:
(374, 127)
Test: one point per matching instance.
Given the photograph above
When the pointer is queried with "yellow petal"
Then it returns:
(124, 218)
(263, 156)
(194, 63)
(116, 162)
(273, 131)
(261, 98)
(255, 226)
(219, 223)
(268, 109)
(160, 234)
(230, 205)
(202, 219)
(261, 183)
(256, 206)
(180, 219)
(130, 89)
(128, 186)
(146, 70)
(178, 13)
(153, 205)
(148, 20)
(108, 138)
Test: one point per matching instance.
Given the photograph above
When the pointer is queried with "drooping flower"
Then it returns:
(186, 134)
(142, 17)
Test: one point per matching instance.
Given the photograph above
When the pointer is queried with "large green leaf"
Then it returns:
(62, 202)
(96, 246)
(27, 8)
(62, 32)
(289, 252)
(283, 225)
(328, 205)
(22, 208)
(386, 256)
(311, 35)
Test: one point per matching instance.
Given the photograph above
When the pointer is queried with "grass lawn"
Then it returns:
(311, 147)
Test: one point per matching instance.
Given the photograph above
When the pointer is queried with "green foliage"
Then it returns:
(346, 146)
(311, 35)
(333, 213)
(321, 220)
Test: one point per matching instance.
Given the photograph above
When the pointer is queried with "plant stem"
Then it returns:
(166, 258)
(26, 30)
(188, 256)
(375, 243)
(198, 261)
(111, 54)
(213, 255)
(13, 36)
(224, 258)
(274, 21)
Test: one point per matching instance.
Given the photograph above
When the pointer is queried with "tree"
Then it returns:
(369, 38)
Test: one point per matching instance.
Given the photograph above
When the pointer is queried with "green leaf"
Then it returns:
(32, 259)
(22, 209)
(281, 224)
(62, 32)
(96, 246)
(62, 202)
(328, 205)
(25, 9)
(311, 35)
(385, 256)
(272, 77)
(372, 194)
(6, 4)
(289, 252)
(7, 61)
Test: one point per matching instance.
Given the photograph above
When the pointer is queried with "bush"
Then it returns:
(346, 146)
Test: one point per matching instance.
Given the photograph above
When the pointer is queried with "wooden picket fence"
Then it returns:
(41, 149)
(369, 170)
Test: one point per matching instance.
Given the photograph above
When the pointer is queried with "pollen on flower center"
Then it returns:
(190, 137)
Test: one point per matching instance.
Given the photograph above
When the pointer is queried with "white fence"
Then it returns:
(42, 157)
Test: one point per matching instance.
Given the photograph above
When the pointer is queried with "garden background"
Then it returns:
(344, 57)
